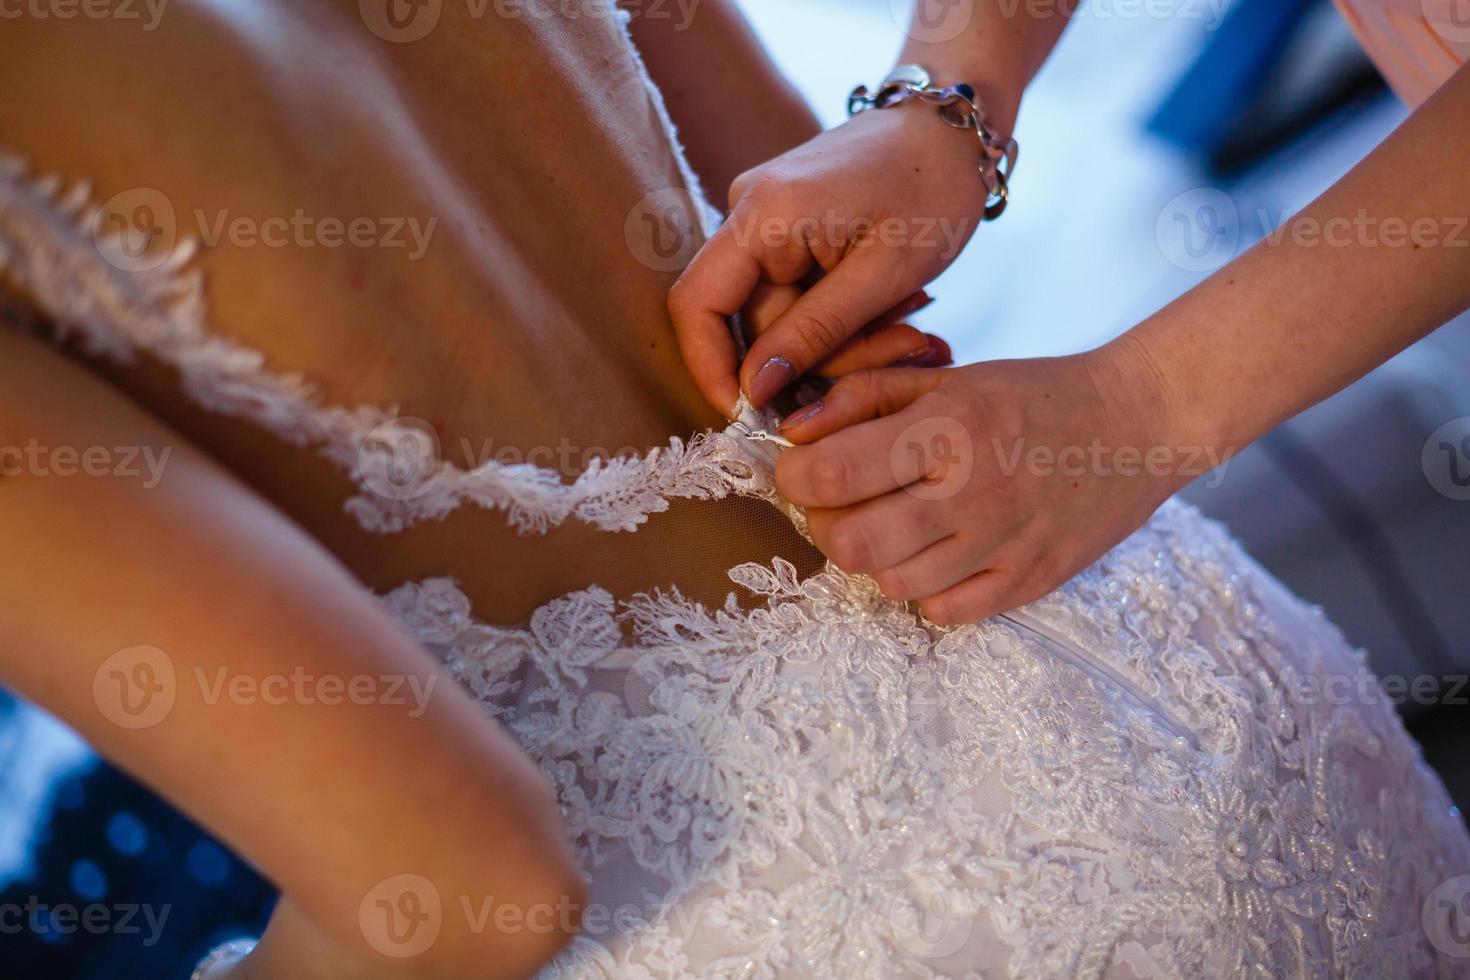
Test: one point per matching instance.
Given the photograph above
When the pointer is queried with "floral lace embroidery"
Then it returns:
(827, 786)
(55, 243)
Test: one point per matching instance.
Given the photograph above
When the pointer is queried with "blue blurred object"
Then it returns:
(1229, 75)
(120, 886)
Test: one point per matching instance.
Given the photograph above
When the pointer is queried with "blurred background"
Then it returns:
(1162, 139)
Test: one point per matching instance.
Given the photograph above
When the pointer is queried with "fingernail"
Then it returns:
(801, 417)
(907, 307)
(942, 350)
(924, 357)
(741, 406)
(773, 376)
(915, 303)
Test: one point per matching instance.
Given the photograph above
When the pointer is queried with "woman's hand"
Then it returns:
(979, 489)
(881, 205)
(889, 341)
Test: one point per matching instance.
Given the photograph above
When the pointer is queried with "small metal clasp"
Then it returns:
(760, 435)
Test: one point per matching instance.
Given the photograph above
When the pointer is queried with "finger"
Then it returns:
(933, 570)
(858, 397)
(881, 533)
(742, 185)
(860, 288)
(879, 349)
(768, 301)
(715, 286)
(907, 307)
(943, 354)
(855, 464)
(950, 562)
(976, 598)
(889, 342)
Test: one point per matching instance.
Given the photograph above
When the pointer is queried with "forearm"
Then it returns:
(995, 45)
(732, 107)
(1377, 262)
(266, 693)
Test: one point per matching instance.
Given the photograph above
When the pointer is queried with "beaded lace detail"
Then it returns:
(830, 787)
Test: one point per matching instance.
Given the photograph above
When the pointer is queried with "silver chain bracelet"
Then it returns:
(959, 107)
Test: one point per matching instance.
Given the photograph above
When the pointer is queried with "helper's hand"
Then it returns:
(889, 341)
(978, 489)
(881, 205)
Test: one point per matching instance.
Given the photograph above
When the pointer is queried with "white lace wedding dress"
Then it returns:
(1145, 774)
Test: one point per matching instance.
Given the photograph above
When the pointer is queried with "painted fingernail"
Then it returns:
(906, 307)
(924, 357)
(801, 417)
(942, 353)
(918, 301)
(768, 382)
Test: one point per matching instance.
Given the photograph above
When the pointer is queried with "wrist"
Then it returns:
(998, 85)
(941, 155)
(1142, 397)
(959, 107)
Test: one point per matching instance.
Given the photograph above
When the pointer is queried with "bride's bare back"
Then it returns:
(456, 226)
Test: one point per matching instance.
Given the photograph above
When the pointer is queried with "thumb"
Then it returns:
(861, 397)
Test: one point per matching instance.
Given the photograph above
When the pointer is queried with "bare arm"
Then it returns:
(903, 171)
(134, 611)
(997, 47)
(732, 107)
(1377, 262)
